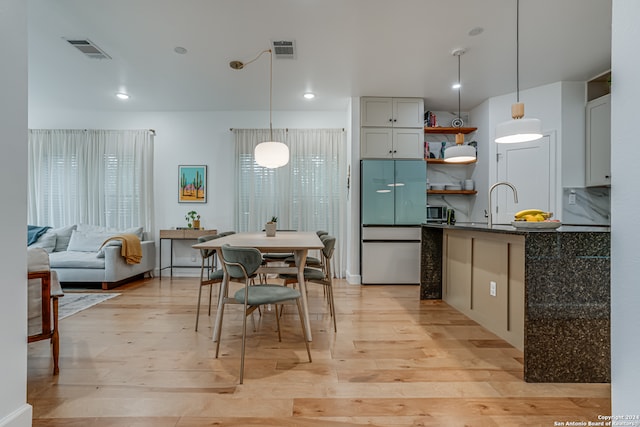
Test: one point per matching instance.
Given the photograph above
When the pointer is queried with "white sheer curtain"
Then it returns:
(96, 177)
(308, 194)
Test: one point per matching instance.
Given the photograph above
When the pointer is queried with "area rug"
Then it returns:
(71, 303)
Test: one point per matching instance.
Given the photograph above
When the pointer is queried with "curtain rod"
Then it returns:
(286, 129)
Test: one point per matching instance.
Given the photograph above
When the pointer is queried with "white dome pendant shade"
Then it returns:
(271, 154)
(518, 129)
(459, 153)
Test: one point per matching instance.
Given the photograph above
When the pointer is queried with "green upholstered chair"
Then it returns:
(322, 275)
(242, 263)
(209, 273)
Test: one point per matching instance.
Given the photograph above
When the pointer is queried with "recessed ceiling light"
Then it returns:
(476, 31)
(180, 50)
(309, 95)
(122, 95)
(456, 86)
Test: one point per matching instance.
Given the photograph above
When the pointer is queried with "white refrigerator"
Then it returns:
(393, 207)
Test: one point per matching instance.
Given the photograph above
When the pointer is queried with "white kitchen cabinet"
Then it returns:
(392, 112)
(391, 128)
(391, 143)
(598, 142)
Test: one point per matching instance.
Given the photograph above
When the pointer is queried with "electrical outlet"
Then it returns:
(572, 198)
(493, 288)
(193, 257)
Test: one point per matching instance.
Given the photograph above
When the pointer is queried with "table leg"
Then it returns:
(300, 257)
(224, 290)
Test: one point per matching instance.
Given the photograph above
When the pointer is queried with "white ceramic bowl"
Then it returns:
(453, 187)
(437, 187)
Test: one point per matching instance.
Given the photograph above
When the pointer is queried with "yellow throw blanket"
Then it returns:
(131, 247)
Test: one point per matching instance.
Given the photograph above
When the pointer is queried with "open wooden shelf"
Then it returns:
(448, 130)
(440, 161)
(465, 192)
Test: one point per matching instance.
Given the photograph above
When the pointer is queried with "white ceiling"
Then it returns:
(345, 48)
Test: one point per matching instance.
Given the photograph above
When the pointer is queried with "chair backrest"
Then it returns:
(206, 253)
(321, 233)
(39, 292)
(329, 243)
(234, 256)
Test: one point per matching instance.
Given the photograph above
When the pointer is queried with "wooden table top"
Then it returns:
(283, 241)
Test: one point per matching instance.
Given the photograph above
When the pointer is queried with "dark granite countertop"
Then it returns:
(509, 229)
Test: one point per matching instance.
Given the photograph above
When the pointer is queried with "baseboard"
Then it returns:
(353, 279)
(22, 417)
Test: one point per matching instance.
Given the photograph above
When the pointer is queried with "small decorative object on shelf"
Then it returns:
(270, 227)
(193, 220)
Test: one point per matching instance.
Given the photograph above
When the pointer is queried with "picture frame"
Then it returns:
(192, 184)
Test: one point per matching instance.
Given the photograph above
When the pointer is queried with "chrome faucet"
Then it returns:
(515, 198)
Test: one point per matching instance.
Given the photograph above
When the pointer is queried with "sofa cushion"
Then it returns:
(76, 259)
(91, 241)
(63, 234)
(46, 241)
(138, 231)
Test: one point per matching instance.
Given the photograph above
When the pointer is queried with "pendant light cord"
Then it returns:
(518, 50)
(459, 90)
(242, 65)
(270, 94)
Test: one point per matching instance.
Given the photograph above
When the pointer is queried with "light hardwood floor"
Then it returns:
(135, 360)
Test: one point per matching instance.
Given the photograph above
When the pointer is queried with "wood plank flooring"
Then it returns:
(135, 360)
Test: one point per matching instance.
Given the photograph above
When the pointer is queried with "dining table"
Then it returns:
(297, 242)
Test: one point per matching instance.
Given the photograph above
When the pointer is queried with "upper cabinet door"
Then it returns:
(376, 112)
(598, 166)
(376, 143)
(408, 112)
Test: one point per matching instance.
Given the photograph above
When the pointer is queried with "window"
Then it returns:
(94, 177)
(308, 194)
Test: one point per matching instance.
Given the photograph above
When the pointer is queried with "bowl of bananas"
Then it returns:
(535, 219)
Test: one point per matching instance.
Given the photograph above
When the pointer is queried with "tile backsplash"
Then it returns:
(586, 206)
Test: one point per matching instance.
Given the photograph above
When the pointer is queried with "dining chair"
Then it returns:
(242, 263)
(322, 275)
(311, 260)
(43, 293)
(209, 272)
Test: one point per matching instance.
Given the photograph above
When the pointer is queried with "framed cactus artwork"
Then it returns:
(192, 184)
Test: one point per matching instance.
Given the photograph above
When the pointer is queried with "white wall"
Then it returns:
(187, 138)
(14, 411)
(353, 229)
(625, 203)
(560, 107)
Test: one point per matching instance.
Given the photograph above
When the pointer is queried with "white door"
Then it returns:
(530, 167)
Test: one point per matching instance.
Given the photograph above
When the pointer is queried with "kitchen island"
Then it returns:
(546, 292)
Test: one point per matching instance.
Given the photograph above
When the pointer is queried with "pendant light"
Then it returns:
(518, 129)
(270, 154)
(459, 153)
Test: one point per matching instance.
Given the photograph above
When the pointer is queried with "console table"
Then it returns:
(180, 234)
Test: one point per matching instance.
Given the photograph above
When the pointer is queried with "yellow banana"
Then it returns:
(525, 212)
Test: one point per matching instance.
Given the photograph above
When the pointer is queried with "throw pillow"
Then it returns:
(46, 241)
(63, 235)
(87, 241)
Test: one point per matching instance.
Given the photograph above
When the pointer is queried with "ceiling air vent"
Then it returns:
(284, 49)
(88, 48)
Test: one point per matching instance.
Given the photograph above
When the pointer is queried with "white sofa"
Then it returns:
(76, 256)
